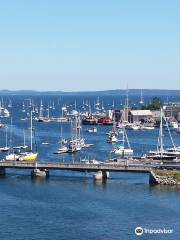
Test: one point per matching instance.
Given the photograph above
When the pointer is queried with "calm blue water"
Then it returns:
(70, 205)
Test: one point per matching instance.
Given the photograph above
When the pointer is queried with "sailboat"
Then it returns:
(36, 172)
(141, 99)
(112, 135)
(53, 106)
(23, 107)
(121, 149)
(30, 155)
(161, 153)
(10, 103)
(4, 111)
(80, 138)
(75, 144)
(11, 156)
(41, 110)
(6, 148)
(63, 148)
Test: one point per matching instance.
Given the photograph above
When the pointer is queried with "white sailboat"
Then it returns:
(112, 135)
(121, 149)
(23, 108)
(163, 153)
(6, 148)
(10, 103)
(30, 155)
(36, 172)
(41, 111)
(141, 99)
(12, 156)
(63, 147)
(75, 144)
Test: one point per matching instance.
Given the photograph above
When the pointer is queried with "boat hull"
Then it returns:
(29, 157)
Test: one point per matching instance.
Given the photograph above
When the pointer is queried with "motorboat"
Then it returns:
(92, 130)
(124, 152)
(2, 125)
(62, 149)
(132, 127)
(4, 112)
(112, 138)
(143, 127)
(173, 125)
(45, 143)
(12, 157)
(89, 120)
(178, 130)
(4, 149)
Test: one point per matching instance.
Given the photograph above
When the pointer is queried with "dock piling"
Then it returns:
(2, 171)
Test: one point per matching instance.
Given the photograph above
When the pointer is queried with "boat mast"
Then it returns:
(90, 108)
(48, 111)
(61, 141)
(128, 143)
(75, 105)
(123, 139)
(6, 137)
(161, 134)
(41, 110)
(141, 100)
(169, 132)
(11, 132)
(24, 138)
(127, 102)
(31, 133)
(76, 130)
(114, 123)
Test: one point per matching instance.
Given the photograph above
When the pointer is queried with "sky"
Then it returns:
(76, 45)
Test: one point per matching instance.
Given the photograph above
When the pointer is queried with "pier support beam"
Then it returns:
(105, 174)
(152, 178)
(2, 171)
(101, 175)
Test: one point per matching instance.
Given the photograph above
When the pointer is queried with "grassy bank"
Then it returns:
(168, 173)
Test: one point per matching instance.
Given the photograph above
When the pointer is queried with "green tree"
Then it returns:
(154, 105)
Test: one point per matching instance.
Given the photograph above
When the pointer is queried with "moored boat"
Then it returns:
(89, 120)
(92, 130)
(29, 155)
(163, 153)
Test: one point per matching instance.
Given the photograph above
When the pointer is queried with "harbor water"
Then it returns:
(70, 205)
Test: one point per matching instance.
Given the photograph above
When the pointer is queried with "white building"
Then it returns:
(139, 115)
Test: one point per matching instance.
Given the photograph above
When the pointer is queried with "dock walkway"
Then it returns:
(75, 166)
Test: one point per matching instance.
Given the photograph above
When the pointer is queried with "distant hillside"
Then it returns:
(146, 92)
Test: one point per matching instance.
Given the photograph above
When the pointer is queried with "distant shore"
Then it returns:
(146, 92)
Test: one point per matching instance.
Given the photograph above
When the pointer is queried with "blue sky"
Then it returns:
(89, 45)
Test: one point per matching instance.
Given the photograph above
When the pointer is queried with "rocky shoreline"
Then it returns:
(167, 177)
(167, 180)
